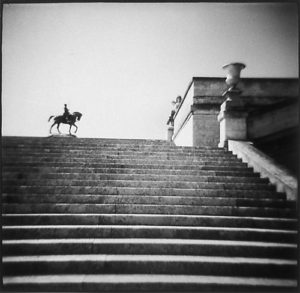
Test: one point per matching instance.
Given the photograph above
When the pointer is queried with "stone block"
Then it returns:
(205, 128)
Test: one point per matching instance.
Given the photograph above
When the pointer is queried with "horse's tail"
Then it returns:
(50, 118)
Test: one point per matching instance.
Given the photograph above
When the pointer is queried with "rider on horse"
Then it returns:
(66, 118)
(66, 114)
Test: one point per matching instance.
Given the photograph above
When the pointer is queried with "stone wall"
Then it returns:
(272, 120)
(204, 97)
(283, 147)
(205, 127)
(270, 104)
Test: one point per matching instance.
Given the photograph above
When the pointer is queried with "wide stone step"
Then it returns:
(110, 152)
(34, 167)
(129, 161)
(148, 231)
(135, 199)
(115, 151)
(124, 159)
(93, 143)
(13, 185)
(213, 192)
(23, 173)
(148, 219)
(207, 183)
(148, 209)
(12, 141)
(141, 177)
(56, 139)
(107, 146)
(147, 282)
(111, 147)
(149, 246)
(149, 264)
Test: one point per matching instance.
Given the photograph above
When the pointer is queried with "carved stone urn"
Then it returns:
(233, 73)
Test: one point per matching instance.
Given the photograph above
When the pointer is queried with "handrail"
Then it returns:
(187, 118)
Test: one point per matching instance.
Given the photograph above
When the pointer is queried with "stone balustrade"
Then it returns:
(266, 166)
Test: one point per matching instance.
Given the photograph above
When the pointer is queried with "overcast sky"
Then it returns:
(121, 65)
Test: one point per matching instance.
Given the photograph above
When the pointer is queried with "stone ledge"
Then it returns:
(266, 166)
(274, 88)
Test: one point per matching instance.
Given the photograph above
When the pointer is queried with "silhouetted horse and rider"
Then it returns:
(66, 118)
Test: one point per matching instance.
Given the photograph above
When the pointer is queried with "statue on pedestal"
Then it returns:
(66, 118)
(171, 118)
(176, 105)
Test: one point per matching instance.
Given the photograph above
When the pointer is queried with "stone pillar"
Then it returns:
(232, 118)
(205, 124)
(170, 133)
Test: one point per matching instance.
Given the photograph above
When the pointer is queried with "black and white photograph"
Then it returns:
(150, 146)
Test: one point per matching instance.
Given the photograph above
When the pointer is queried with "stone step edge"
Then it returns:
(114, 149)
(136, 163)
(27, 151)
(145, 257)
(246, 194)
(152, 241)
(108, 150)
(129, 279)
(177, 177)
(93, 182)
(66, 137)
(135, 171)
(96, 142)
(120, 183)
(168, 168)
(237, 171)
(277, 196)
(151, 216)
(80, 145)
(61, 148)
(143, 205)
(149, 227)
(145, 197)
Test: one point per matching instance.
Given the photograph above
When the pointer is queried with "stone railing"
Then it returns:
(266, 166)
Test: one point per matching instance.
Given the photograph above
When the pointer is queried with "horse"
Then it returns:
(76, 116)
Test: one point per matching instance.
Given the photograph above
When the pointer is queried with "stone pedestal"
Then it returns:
(232, 119)
(170, 133)
(63, 135)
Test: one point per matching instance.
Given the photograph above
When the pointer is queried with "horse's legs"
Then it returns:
(76, 127)
(51, 127)
(58, 127)
(70, 129)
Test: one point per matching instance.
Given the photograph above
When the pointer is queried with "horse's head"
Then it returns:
(77, 115)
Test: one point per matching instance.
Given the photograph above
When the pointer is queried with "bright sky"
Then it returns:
(121, 64)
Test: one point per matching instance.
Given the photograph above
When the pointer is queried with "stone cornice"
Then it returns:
(251, 87)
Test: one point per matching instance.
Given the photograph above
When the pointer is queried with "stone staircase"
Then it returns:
(140, 215)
